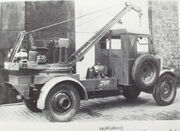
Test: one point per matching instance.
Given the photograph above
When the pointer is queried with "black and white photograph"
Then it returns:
(96, 65)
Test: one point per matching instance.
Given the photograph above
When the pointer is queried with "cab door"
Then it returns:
(115, 57)
(122, 56)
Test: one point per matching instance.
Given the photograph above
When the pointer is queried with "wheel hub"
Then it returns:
(148, 72)
(166, 90)
(61, 102)
(64, 103)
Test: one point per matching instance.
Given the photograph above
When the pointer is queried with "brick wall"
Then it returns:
(163, 18)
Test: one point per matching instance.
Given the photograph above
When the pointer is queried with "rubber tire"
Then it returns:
(136, 71)
(131, 92)
(67, 116)
(157, 95)
(31, 105)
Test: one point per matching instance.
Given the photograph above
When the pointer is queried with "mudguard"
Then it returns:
(163, 71)
(51, 83)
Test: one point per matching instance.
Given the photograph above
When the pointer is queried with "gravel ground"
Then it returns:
(103, 109)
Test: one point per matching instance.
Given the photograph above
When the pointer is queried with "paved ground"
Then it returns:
(106, 109)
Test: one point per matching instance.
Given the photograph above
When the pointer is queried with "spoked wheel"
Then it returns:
(165, 90)
(32, 105)
(131, 92)
(62, 103)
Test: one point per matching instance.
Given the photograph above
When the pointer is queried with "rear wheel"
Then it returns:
(165, 90)
(131, 92)
(62, 103)
(31, 105)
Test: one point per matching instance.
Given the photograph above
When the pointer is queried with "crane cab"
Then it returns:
(118, 50)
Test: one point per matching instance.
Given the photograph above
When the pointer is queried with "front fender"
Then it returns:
(164, 71)
(50, 84)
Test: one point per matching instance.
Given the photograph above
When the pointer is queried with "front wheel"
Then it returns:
(62, 103)
(165, 90)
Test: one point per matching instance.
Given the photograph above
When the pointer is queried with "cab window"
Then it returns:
(142, 45)
(105, 44)
(115, 44)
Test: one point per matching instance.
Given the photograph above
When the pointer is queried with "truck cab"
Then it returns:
(119, 49)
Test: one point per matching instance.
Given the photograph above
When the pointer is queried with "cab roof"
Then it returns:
(117, 32)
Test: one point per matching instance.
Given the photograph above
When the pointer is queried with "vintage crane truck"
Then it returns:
(43, 74)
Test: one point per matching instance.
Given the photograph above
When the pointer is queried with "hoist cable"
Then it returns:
(95, 18)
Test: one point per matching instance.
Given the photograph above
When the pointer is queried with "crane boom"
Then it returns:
(79, 54)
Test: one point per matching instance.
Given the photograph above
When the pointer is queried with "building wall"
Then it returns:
(40, 14)
(18, 16)
(12, 20)
(163, 17)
